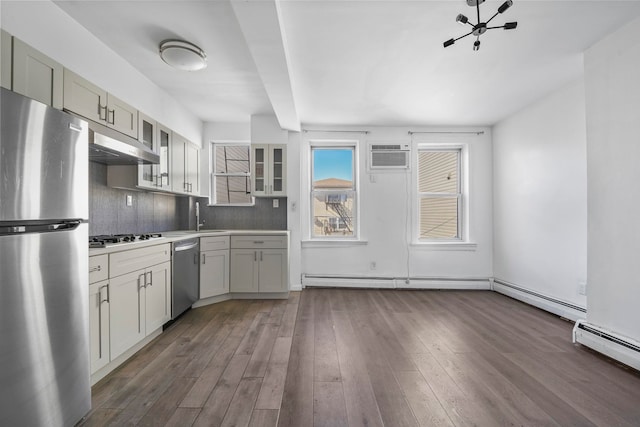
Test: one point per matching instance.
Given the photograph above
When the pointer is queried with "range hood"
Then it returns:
(111, 147)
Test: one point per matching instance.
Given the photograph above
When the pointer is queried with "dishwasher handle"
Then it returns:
(185, 247)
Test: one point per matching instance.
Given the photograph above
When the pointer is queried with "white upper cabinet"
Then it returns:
(88, 100)
(36, 75)
(163, 181)
(157, 138)
(186, 166)
(5, 59)
(268, 170)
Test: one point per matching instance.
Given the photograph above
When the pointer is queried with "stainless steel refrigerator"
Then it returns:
(44, 336)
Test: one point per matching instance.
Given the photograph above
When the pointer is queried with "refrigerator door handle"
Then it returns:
(38, 227)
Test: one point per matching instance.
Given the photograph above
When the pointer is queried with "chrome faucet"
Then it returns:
(198, 223)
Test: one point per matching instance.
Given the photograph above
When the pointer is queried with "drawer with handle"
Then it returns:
(259, 241)
(214, 243)
(98, 268)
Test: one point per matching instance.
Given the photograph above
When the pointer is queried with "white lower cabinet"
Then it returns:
(140, 304)
(214, 266)
(259, 263)
(99, 312)
(158, 297)
(127, 302)
(273, 274)
(99, 324)
(140, 287)
(244, 270)
(129, 299)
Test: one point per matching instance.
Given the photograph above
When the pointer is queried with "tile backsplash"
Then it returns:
(261, 216)
(149, 212)
(156, 212)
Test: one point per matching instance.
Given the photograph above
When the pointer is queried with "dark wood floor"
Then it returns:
(330, 357)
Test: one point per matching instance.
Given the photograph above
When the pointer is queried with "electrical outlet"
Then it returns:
(129, 200)
(276, 203)
(373, 265)
(582, 288)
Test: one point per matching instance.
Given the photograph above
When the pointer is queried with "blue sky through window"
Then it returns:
(333, 163)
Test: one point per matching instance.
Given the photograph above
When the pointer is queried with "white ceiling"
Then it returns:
(355, 62)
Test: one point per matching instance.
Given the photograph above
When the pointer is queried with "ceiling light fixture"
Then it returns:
(183, 55)
(481, 27)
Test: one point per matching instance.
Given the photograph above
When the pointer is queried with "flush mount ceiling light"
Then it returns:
(481, 27)
(183, 55)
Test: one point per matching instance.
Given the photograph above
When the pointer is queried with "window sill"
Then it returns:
(233, 205)
(445, 246)
(333, 243)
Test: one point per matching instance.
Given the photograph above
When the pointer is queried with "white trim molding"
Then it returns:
(553, 305)
(616, 346)
(338, 281)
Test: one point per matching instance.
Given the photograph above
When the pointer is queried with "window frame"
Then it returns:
(461, 195)
(354, 190)
(213, 175)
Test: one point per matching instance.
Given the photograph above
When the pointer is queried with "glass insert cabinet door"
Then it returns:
(148, 136)
(268, 170)
(259, 155)
(162, 170)
(157, 138)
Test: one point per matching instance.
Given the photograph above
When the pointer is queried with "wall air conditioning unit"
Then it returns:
(389, 156)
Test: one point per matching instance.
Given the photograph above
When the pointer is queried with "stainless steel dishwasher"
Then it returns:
(185, 280)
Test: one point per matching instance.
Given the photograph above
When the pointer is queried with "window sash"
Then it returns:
(436, 202)
(333, 212)
(216, 176)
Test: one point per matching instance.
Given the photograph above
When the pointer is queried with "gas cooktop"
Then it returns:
(105, 240)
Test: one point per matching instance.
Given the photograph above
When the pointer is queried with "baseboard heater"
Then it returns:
(620, 348)
(461, 283)
(545, 302)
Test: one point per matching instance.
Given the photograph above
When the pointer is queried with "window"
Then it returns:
(439, 194)
(231, 175)
(333, 192)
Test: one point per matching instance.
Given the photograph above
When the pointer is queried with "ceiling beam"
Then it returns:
(261, 25)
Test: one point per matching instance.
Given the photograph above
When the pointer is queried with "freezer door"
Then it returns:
(44, 163)
(44, 332)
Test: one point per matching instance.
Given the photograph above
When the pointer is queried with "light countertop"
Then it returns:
(174, 236)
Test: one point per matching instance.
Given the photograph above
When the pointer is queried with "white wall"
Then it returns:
(612, 67)
(385, 226)
(44, 26)
(540, 196)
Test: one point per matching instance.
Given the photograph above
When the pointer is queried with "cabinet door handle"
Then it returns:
(100, 323)
(260, 256)
(150, 281)
(100, 110)
(100, 291)
(95, 268)
(255, 255)
(270, 189)
(144, 281)
(204, 259)
(139, 300)
(184, 186)
(258, 242)
(113, 116)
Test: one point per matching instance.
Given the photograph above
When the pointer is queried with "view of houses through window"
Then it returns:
(439, 194)
(230, 178)
(333, 192)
